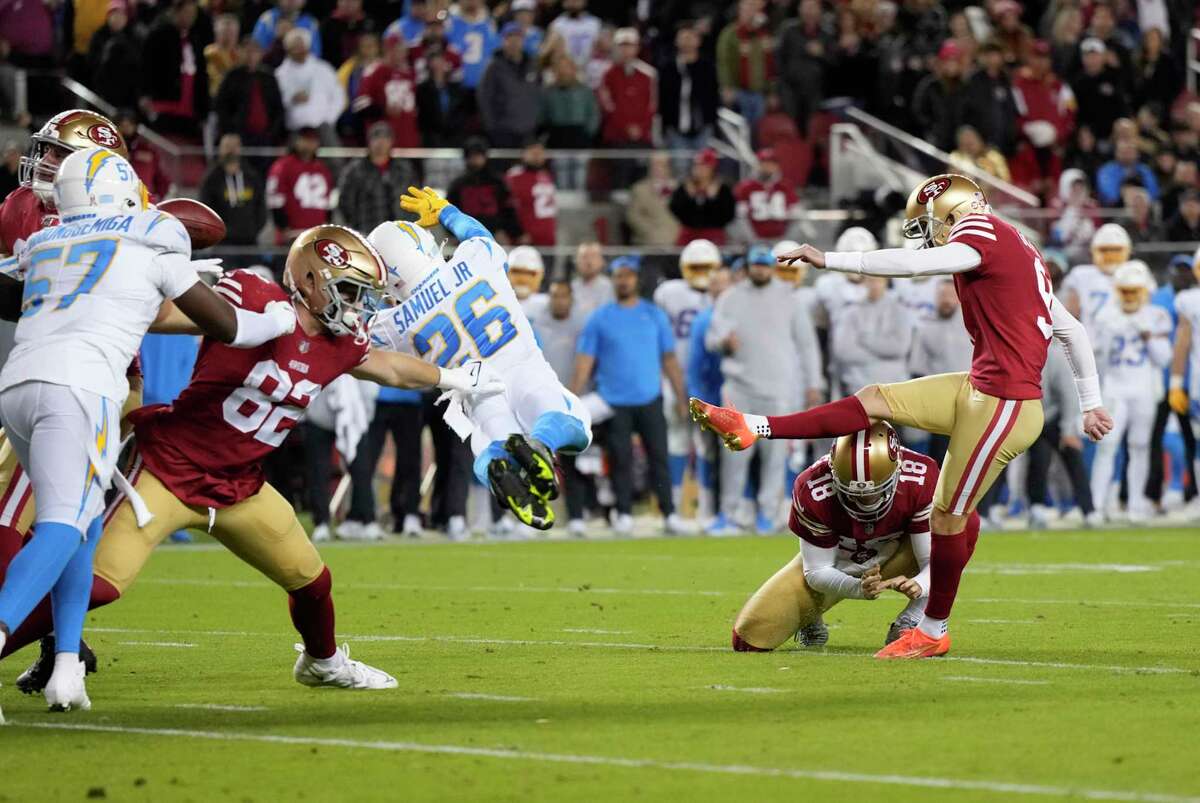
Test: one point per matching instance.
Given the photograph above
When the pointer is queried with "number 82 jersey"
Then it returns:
(207, 448)
(817, 514)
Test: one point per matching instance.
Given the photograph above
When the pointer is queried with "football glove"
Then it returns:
(1177, 398)
(425, 203)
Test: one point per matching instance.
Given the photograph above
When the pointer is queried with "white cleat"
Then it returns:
(677, 525)
(622, 524)
(412, 526)
(339, 671)
(456, 528)
(321, 533)
(577, 528)
(65, 689)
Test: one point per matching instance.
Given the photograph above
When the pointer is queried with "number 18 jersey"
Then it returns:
(207, 448)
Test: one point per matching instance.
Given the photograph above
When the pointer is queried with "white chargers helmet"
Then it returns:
(856, 238)
(1134, 283)
(1110, 247)
(98, 179)
(525, 271)
(409, 252)
(697, 261)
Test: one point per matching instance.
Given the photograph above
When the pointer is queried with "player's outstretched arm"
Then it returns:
(1176, 396)
(200, 311)
(431, 209)
(940, 260)
(398, 370)
(1078, 348)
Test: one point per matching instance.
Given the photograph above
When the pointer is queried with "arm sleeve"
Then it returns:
(1071, 334)
(941, 260)
(462, 225)
(921, 544)
(823, 577)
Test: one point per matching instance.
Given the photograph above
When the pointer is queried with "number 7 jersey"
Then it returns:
(207, 448)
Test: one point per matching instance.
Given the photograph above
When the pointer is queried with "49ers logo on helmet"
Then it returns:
(893, 446)
(332, 253)
(932, 190)
(103, 135)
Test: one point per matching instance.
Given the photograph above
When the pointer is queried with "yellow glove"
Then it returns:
(425, 203)
(1178, 399)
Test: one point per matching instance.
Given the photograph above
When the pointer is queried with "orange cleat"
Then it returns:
(725, 422)
(913, 643)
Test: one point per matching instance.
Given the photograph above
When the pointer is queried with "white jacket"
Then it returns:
(326, 97)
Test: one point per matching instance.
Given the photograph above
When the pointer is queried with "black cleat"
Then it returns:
(34, 679)
(511, 489)
(537, 462)
(897, 628)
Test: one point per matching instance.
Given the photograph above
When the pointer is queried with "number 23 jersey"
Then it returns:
(819, 518)
(208, 446)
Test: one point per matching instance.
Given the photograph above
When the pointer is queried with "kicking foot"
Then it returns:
(913, 643)
(65, 689)
(725, 422)
(35, 678)
(814, 634)
(512, 490)
(339, 671)
(537, 461)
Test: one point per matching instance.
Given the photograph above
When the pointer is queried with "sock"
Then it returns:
(560, 431)
(40, 621)
(312, 615)
(741, 645)
(948, 557)
(35, 569)
(493, 451)
(830, 420)
(70, 596)
(914, 610)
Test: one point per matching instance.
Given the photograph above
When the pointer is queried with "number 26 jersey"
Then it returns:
(207, 448)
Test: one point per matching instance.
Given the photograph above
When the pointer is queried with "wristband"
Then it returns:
(1088, 389)
(1176, 382)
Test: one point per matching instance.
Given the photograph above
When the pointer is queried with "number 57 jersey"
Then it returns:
(207, 448)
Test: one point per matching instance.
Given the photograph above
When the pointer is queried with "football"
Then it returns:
(202, 223)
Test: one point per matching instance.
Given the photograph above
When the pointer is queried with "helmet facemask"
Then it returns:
(926, 228)
(350, 306)
(865, 500)
(39, 167)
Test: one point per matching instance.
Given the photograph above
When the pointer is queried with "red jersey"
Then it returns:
(767, 206)
(629, 99)
(390, 94)
(207, 448)
(21, 214)
(536, 201)
(301, 189)
(1005, 307)
(820, 519)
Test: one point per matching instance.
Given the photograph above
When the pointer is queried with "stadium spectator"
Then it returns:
(1184, 227)
(483, 195)
(1102, 26)
(804, 45)
(312, 95)
(249, 103)
(746, 61)
(688, 95)
(940, 98)
(222, 54)
(441, 103)
(648, 213)
(341, 31)
(1157, 79)
(287, 15)
(1060, 434)
(852, 64)
(1046, 119)
(1013, 36)
(326, 431)
(388, 93)
(628, 346)
(602, 58)
(990, 104)
(524, 13)
(10, 167)
(370, 187)
(298, 187)
(399, 413)
(766, 202)
(870, 339)
(350, 75)
(534, 196)
(433, 39)
(972, 151)
(115, 58)
(628, 95)
(703, 204)
(1066, 30)
(1184, 177)
(174, 82)
(1125, 166)
(1099, 89)
(473, 34)
(29, 28)
(235, 192)
(411, 26)
(578, 29)
(1076, 215)
(569, 115)
(591, 287)
(143, 156)
(759, 331)
(940, 345)
(1140, 219)
(509, 93)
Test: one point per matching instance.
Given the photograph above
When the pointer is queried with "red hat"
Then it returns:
(949, 50)
(708, 156)
(766, 155)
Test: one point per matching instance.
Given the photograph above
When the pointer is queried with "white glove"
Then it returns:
(473, 379)
(210, 266)
(283, 314)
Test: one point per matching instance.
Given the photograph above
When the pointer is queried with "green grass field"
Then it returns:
(601, 671)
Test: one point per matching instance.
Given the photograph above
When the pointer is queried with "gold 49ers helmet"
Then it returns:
(866, 468)
(525, 271)
(338, 276)
(62, 134)
(697, 261)
(937, 204)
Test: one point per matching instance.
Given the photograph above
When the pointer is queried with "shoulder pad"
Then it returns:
(161, 231)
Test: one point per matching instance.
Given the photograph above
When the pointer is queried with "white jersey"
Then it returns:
(535, 305)
(919, 296)
(1094, 289)
(578, 33)
(464, 310)
(835, 291)
(682, 303)
(1131, 364)
(93, 286)
(1187, 307)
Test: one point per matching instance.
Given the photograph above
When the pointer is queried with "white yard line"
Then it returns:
(219, 707)
(499, 698)
(620, 645)
(1012, 681)
(622, 762)
(1005, 621)
(596, 631)
(746, 689)
(179, 644)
